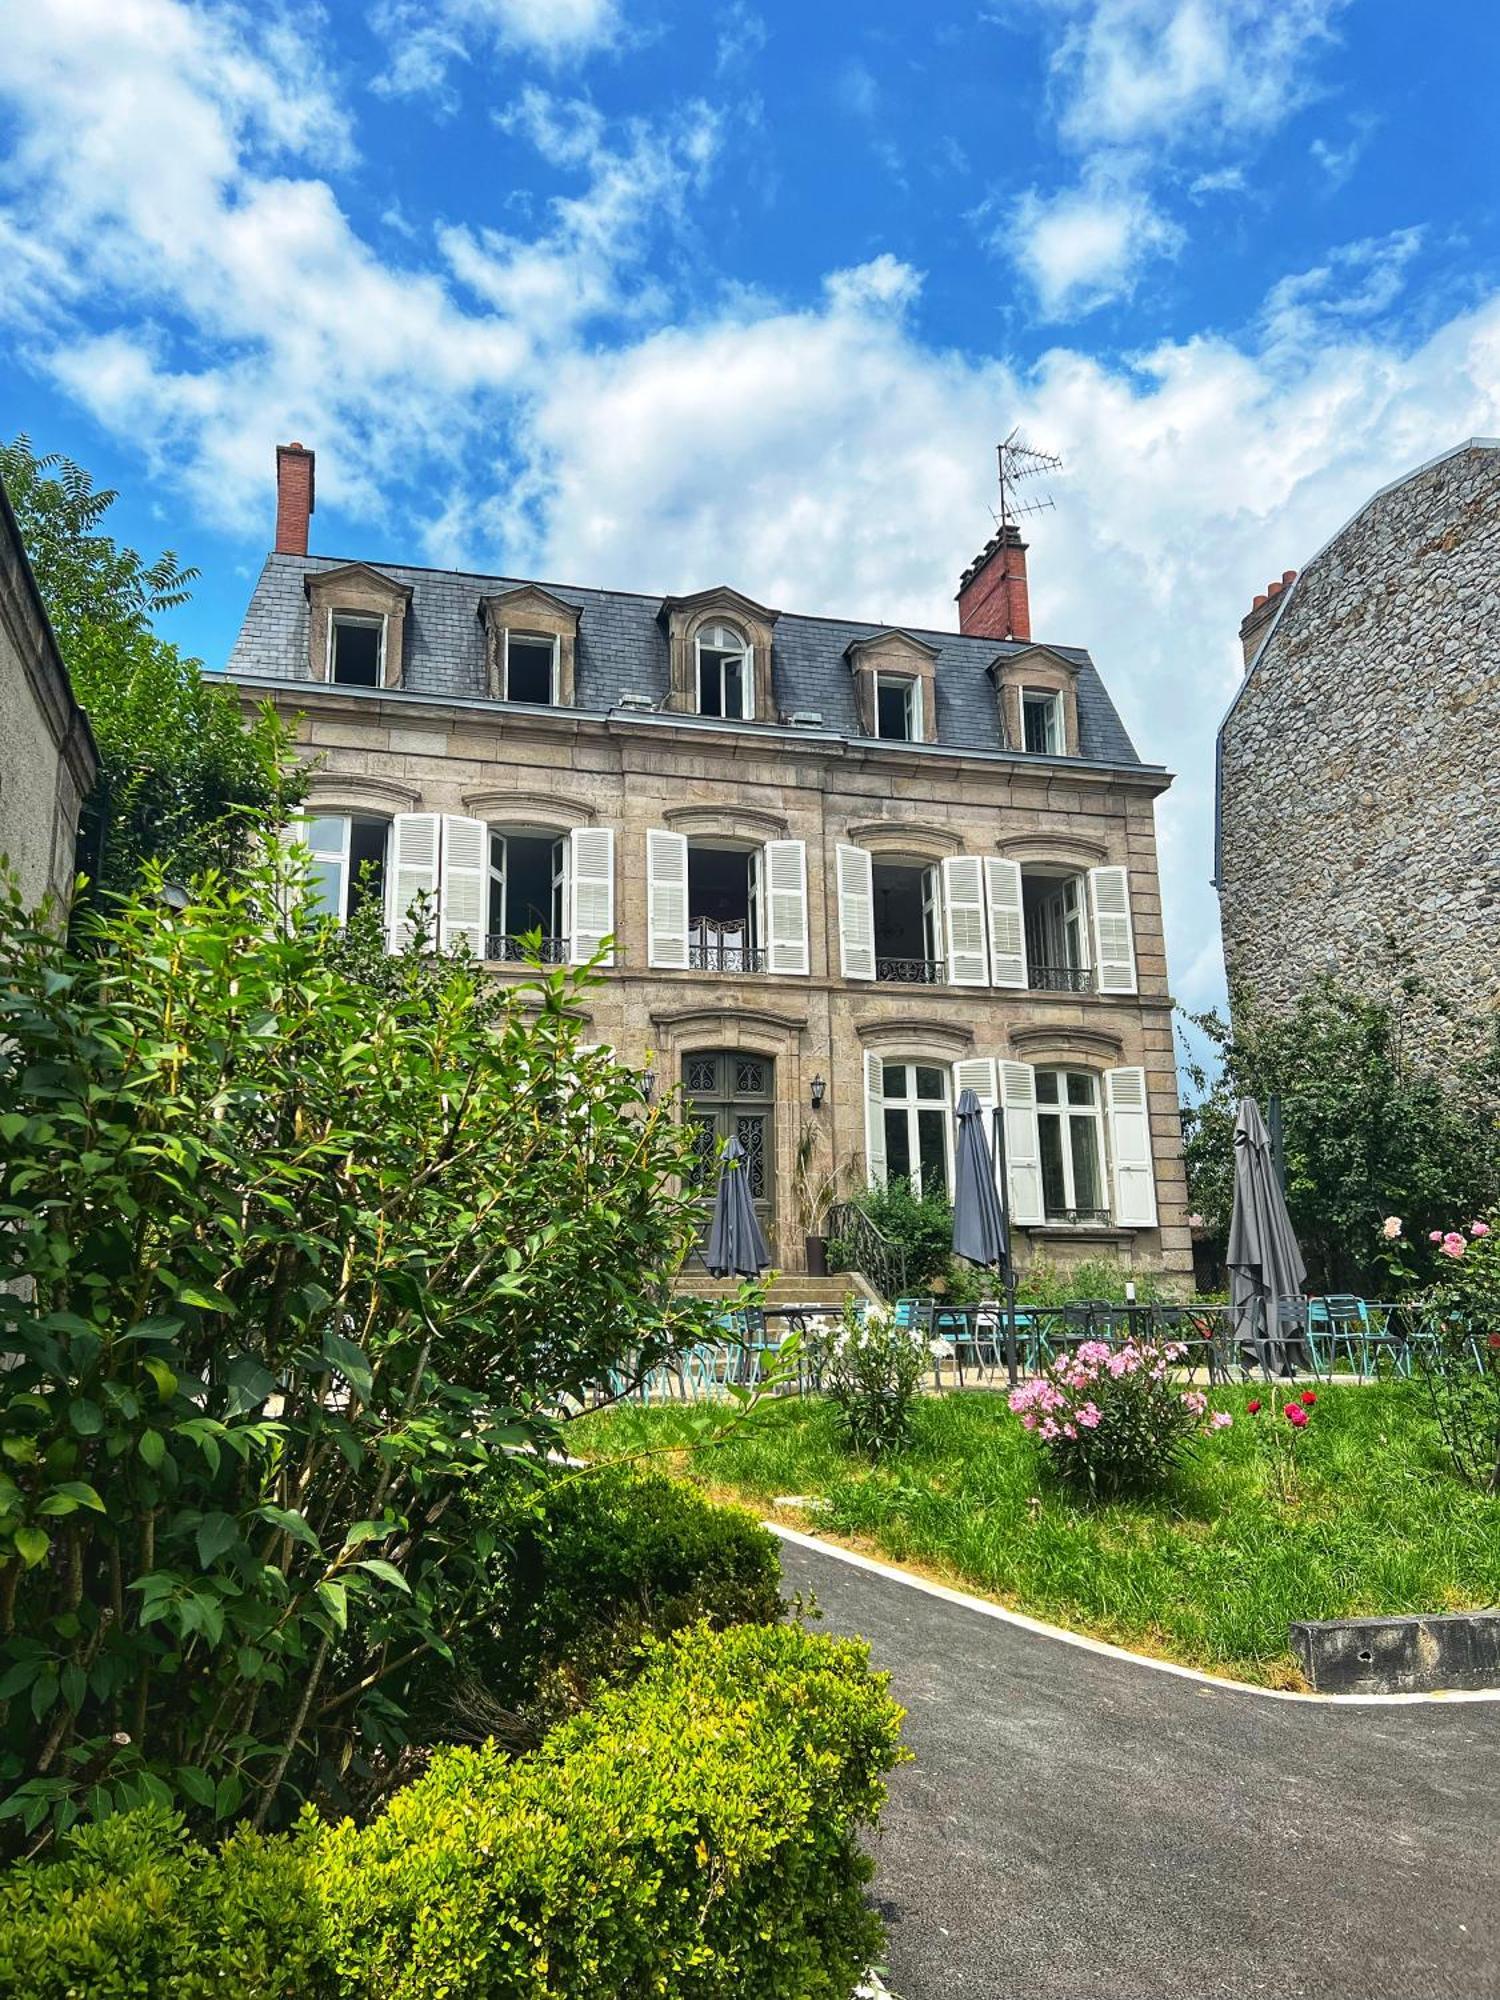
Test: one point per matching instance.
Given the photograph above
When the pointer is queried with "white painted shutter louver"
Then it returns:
(1114, 937)
(1023, 1150)
(784, 887)
(874, 1119)
(462, 883)
(963, 911)
(1002, 888)
(591, 892)
(413, 872)
(1130, 1147)
(977, 1073)
(667, 899)
(856, 895)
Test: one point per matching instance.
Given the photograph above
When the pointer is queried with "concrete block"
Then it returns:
(1399, 1655)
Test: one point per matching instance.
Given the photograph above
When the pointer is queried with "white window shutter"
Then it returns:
(463, 880)
(1002, 889)
(784, 890)
(413, 873)
(667, 899)
(1114, 936)
(977, 1073)
(591, 892)
(1130, 1147)
(963, 909)
(875, 1118)
(1023, 1149)
(856, 887)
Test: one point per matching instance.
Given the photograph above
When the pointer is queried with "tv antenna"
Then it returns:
(1020, 461)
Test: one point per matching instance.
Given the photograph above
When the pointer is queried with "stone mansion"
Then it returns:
(839, 871)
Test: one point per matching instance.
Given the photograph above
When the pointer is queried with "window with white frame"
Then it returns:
(357, 644)
(914, 1108)
(1041, 722)
(528, 892)
(1070, 1136)
(348, 862)
(530, 662)
(898, 707)
(724, 676)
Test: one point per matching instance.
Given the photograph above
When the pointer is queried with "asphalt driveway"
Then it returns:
(1076, 1826)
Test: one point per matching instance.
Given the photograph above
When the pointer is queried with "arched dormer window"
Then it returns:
(724, 680)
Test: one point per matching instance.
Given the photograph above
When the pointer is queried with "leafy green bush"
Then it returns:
(1461, 1360)
(693, 1835)
(871, 1368)
(133, 1907)
(587, 1569)
(1044, 1284)
(921, 1224)
(287, 1256)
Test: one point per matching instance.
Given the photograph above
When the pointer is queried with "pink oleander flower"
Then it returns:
(1390, 1229)
(1479, 1229)
(1453, 1245)
(1195, 1221)
(1296, 1416)
(1049, 1427)
(1196, 1401)
(1434, 1236)
(1029, 1420)
(1094, 1351)
(1221, 1420)
(1069, 1430)
(1089, 1415)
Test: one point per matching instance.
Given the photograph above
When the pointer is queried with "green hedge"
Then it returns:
(593, 1568)
(693, 1835)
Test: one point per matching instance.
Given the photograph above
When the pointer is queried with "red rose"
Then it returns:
(1253, 1407)
(1308, 1397)
(1495, 1340)
(1296, 1416)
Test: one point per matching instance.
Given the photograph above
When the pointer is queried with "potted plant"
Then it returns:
(815, 1189)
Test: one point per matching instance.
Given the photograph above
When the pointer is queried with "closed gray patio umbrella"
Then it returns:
(979, 1230)
(736, 1247)
(1265, 1265)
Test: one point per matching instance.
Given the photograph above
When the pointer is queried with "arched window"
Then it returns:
(1071, 1139)
(723, 672)
(915, 1121)
(348, 861)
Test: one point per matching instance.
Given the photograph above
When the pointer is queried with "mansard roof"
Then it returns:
(623, 650)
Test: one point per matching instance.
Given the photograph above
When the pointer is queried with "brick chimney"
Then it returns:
(1262, 611)
(294, 498)
(992, 597)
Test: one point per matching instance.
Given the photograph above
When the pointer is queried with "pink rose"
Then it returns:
(1453, 1245)
(1296, 1416)
(1479, 1229)
(1434, 1236)
(1391, 1228)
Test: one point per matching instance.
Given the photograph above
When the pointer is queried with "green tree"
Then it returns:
(293, 1245)
(1380, 1117)
(181, 778)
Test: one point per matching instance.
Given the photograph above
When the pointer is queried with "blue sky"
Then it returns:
(658, 295)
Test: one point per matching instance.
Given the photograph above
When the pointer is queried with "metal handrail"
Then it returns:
(877, 1257)
(910, 971)
(516, 951)
(725, 958)
(1060, 978)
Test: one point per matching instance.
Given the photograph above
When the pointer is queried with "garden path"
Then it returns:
(1080, 1827)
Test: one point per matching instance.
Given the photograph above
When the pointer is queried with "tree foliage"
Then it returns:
(181, 778)
(1380, 1117)
(289, 1253)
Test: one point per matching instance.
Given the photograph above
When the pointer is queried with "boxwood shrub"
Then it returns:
(692, 1835)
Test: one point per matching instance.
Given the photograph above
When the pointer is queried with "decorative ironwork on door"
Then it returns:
(730, 1095)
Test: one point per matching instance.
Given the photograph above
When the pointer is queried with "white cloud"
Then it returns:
(742, 36)
(427, 38)
(1084, 247)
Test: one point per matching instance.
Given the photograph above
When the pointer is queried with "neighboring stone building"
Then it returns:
(848, 869)
(1359, 764)
(47, 754)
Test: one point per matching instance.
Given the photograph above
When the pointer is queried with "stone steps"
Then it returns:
(785, 1289)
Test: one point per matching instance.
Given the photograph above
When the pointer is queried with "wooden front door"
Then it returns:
(732, 1095)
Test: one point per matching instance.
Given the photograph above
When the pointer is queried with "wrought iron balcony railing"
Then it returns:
(910, 971)
(1060, 978)
(716, 957)
(1079, 1217)
(516, 951)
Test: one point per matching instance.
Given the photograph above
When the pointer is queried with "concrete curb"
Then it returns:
(1207, 1683)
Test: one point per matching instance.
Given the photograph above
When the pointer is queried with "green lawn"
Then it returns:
(1210, 1573)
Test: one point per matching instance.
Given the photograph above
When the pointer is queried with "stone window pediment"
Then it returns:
(1081, 1047)
(332, 792)
(895, 657)
(905, 840)
(915, 1040)
(726, 823)
(722, 606)
(549, 812)
(530, 613)
(369, 601)
(1036, 670)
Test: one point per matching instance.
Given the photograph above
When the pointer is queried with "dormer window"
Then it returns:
(530, 668)
(1042, 721)
(898, 708)
(724, 677)
(358, 649)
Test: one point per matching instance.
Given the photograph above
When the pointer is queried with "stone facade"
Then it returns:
(49, 761)
(1359, 765)
(623, 779)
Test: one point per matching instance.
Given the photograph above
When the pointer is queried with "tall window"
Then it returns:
(915, 1101)
(1041, 722)
(1056, 925)
(898, 707)
(723, 673)
(908, 904)
(527, 892)
(358, 645)
(348, 862)
(1071, 1140)
(530, 668)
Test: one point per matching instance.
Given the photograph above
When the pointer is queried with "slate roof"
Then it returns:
(622, 650)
